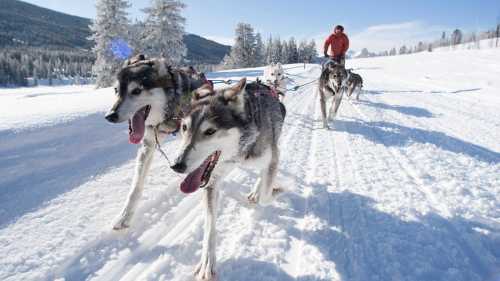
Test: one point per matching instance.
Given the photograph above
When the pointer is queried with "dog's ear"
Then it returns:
(202, 92)
(232, 93)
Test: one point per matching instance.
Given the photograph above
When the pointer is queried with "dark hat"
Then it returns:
(339, 27)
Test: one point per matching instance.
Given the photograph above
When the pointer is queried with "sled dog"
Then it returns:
(240, 124)
(150, 96)
(331, 84)
(354, 82)
(274, 76)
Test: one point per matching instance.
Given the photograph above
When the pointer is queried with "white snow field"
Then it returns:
(405, 186)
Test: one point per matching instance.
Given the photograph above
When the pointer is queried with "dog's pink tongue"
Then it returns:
(193, 181)
(137, 127)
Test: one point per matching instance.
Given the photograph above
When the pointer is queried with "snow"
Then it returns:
(405, 187)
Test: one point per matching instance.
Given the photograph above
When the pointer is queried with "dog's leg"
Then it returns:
(337, 100)
(358, 93)
(350, 90)
(322, 100)
(264, 192)
(143, 163)
(205, 270)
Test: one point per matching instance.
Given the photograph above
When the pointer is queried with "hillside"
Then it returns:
(404, 187)
(25, 24)
(22, 23)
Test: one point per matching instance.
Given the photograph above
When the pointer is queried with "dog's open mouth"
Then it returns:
(201, 175)
(137, 125)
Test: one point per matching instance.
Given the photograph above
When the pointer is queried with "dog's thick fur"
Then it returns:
(243, 123)
(354, 82)
(274, 76)
(143, 83)
(331, 84)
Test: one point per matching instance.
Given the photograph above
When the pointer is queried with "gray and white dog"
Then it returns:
(332, 83)
(354, 82)
(236, 125)
(150, 96)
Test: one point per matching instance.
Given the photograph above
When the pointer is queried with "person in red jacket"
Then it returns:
(338, 43)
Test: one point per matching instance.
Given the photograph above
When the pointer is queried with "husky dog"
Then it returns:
(236, 125)
(355, 81)
(332, 84)
(274, 76)
(150, 96)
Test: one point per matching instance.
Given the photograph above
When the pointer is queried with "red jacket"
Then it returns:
(338, 44)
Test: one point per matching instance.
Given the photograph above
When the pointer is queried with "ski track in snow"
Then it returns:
(405, 186)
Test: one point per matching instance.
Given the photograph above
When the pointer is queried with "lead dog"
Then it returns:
(332, 83)
(150, 96)
(237, 125)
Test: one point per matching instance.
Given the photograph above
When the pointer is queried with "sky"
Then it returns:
(376, 25)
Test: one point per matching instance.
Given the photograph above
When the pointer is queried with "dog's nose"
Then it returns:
(179, 167)
(112, 117)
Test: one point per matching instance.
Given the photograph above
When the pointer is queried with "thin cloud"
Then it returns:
(385, 36)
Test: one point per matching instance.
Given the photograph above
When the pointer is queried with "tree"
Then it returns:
(403, 50)
(109, 26)
(393, 52)
(277, 50)
(456, 37)
(269, 50)
(293, 53)
(164, 30)
(259, 52)
(242, 53)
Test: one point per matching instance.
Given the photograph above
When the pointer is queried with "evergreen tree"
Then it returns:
(456, 37)
(259, 52)
(242, 53)
(164, 30)
(293, 53)
(277, 50)
(269, 50)
(111, 24)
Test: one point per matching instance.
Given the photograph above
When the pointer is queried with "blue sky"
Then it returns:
(377, 25)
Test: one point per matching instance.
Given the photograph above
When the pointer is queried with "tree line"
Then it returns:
(17, 64)
(250, 51)
(452, 40)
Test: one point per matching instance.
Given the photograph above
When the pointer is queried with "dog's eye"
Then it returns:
(116, 90)
(210, 132)
(136, 92)
(184, 127)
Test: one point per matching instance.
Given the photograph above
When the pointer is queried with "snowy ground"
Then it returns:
(405, 187)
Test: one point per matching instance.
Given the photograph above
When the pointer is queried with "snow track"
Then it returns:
(405, 186)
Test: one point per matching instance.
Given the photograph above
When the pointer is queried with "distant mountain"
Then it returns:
(25, 24)
(203, 50)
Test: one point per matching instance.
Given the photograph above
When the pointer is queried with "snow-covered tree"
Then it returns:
(285, 52)
(456, 37)
(164, 30)
(393, 52)
(259, 51)
(277, 50)
(269, 50)
(110, 24)
(293, 53)
(403, 50)
(242, 53)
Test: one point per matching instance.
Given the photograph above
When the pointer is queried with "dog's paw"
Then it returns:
(205, 271)
(277, 191)
(253, 198)
(121, 223)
